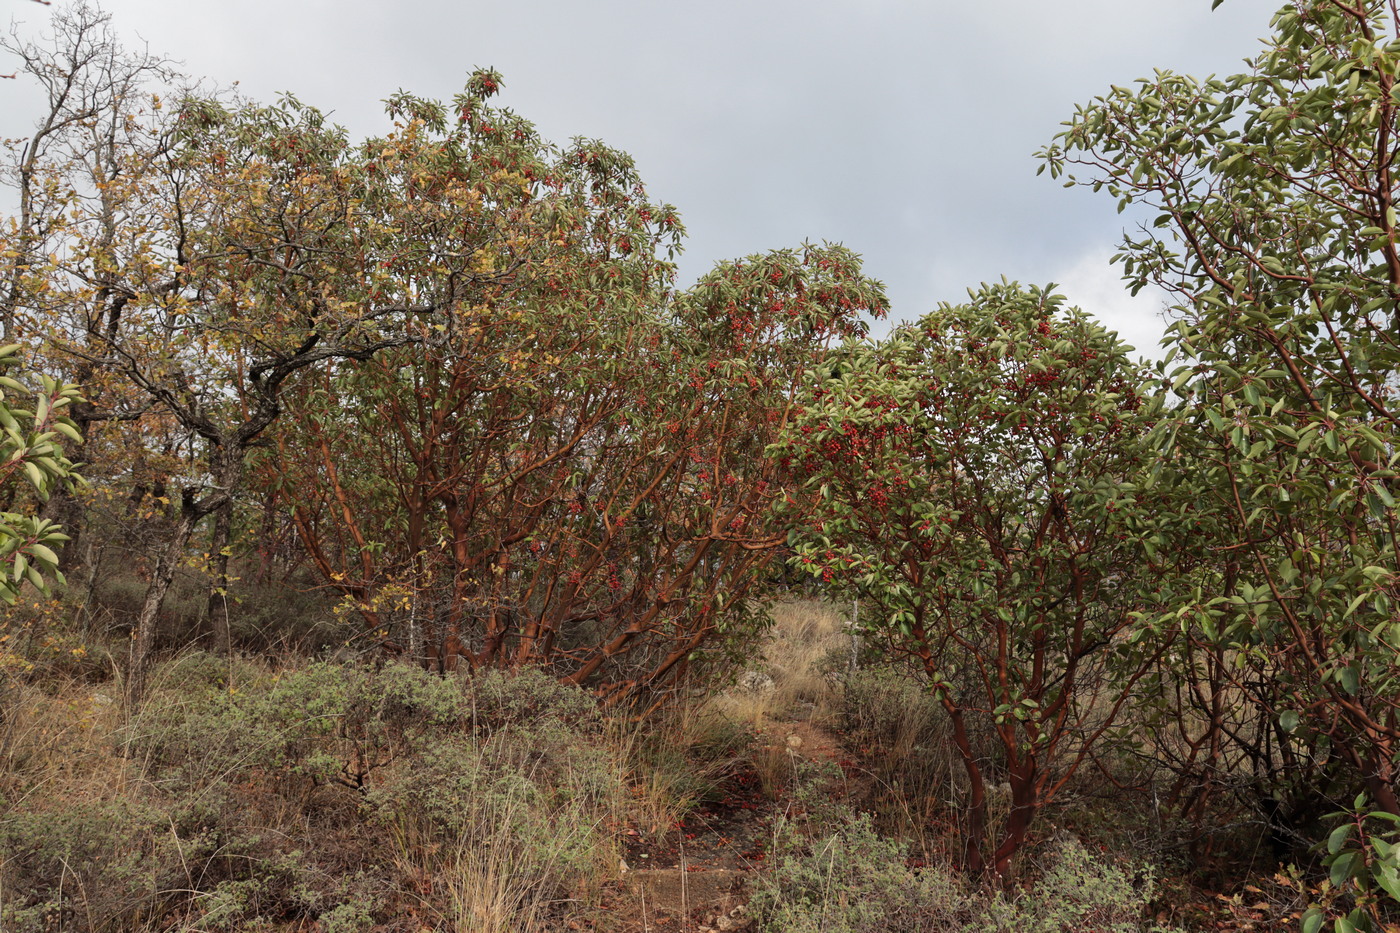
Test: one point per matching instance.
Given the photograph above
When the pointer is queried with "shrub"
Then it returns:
(85, 866)
(500, 699)
(1078, 892)
(507, 822)
(253, 799)
(326, 723)
(855, 881)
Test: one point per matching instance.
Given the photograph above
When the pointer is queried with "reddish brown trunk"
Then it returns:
(976, 828)
(1024, 804)
(1380, 782)
(452, 653)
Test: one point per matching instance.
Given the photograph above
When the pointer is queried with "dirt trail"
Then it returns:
(696, 877)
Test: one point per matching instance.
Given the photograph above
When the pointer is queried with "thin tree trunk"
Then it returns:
(161, 577)
(1018, 821)
(217, 607)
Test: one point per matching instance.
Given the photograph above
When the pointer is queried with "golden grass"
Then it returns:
(57, 741)
(806, 639)
(489, 881)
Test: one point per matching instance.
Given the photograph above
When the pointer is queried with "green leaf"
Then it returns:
(35, 475)
(44, 553)
(1342, 867)
(1386, 877)
(1350, 679)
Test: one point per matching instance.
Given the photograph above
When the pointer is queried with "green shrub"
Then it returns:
(237, 815)
(1078, 892)
(502, 826)
(855, 881)
(325, 723)
(351, 917)
(86, 866)
(528, 697)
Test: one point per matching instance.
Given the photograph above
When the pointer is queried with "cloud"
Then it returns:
(1097, 287)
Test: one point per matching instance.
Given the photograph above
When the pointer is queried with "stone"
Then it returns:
(756, 682)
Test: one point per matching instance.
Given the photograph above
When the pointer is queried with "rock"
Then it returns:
(756, 682)
(794, 741)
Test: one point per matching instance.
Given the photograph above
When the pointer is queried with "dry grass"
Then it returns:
(676, 761)
(808, 638)
(773, 763)
(708, 741)
(56, 741)
(490, 880)
(685, 755)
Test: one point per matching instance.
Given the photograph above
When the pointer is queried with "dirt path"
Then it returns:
(696, 877)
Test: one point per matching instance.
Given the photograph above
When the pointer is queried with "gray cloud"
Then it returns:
(901, 128)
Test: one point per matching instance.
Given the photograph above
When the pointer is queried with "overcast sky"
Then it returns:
(903, 129)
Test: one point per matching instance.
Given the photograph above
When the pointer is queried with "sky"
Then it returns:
(905, 129)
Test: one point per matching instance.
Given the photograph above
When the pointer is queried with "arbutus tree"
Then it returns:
(1276, 233)
(697, 485)
(976, 479)
(574, 465)
(67, 172)
(549, 267)
(231, 247)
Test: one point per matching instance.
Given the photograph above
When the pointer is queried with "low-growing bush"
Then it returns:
(503, 822)
(499, 699)
(1077, 892)
(853, 880)
(325, 723)
(78, 865)
(251, 799)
